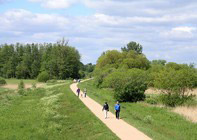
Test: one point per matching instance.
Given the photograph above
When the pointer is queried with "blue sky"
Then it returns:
(166, 29)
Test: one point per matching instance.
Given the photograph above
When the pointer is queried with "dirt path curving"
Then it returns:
(122, 129)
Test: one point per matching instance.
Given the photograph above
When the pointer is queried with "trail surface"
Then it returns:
(122, 129)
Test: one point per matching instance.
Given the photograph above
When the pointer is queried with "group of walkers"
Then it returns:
(83, 94)
(116, 108)
(105, 106)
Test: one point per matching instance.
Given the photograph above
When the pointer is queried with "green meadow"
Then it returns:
(48, 113)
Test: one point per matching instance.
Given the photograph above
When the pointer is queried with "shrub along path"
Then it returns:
(122, 129)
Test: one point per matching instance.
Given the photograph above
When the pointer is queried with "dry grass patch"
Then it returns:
(15, 86)
(157, 91)
(189, 113)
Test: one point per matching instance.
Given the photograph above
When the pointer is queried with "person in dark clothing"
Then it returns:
(78, 92)
(117, 110)
(105, 109)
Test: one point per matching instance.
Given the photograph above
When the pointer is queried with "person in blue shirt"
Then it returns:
(117, 110)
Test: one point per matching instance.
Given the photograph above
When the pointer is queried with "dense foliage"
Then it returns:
(133, 46)
(86, 70)
(129, 73)
(43, 77)
(124, 71)
(176, 82)
(111, 61)
(24, 61)
(2, 81)
(21, 88)
(131, 86)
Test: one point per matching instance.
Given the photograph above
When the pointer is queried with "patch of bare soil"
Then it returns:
(189, 112)
(15, 86)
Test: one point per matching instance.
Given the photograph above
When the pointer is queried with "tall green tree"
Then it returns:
(133, 46)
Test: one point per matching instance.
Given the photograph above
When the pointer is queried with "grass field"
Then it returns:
(158, 123)
(16, 81)
(50, 113)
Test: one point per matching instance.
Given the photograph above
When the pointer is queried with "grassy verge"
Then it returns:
(16, 81)
(158, 123)
(53, 113)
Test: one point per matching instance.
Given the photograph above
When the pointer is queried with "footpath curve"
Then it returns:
(122, 129)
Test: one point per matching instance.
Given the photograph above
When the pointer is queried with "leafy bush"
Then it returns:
(152, 73)
(176, 83)
(43, 77)
(175, 99)
(152, 101)
(132, 87)
(114, 78)
(2, 81)
(21, 85)
(101, 75)
(112, 60)
(21, 88)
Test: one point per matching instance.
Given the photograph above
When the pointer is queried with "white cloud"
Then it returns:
(55, 4)
(180, 33)
(22, 20)
(184, 29)
(141, 7)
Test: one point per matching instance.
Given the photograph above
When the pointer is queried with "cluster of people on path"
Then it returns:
(116, 108)
(83, 94)
(105, 106)
(76, 80)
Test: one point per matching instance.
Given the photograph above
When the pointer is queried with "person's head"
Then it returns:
(105, 102)
(117, 102)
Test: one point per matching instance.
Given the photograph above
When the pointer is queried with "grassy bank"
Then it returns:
(53, 113)
(158, 123)
(16, 81)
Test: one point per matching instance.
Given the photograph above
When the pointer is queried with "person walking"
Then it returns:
(105, 109)
(117, 110)
(78, 92)
(85, 92)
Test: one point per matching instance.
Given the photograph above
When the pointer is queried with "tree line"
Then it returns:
(26, 61)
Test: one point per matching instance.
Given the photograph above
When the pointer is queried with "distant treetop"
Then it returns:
(133, 46)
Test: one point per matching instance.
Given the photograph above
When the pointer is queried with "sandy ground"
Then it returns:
(122, 129)
(15, 86)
